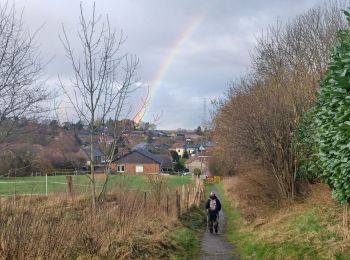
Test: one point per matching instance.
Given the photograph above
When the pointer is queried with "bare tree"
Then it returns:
(103, 78)
(258, 115)
(21, 92)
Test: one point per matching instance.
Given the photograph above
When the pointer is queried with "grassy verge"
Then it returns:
(187, 237)
(37, 185)
(303, 232)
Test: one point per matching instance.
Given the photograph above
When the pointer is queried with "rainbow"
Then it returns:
(195, 21)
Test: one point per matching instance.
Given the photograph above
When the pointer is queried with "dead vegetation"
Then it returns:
(253, 192)
(258, 114)
(126, 226)
(308, 228)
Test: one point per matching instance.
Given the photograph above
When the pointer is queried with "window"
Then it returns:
(120, 168)
(139, 168)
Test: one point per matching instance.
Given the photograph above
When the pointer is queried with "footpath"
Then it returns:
(215, 246)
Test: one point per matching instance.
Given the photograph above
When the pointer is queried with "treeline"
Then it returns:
(264, 116)
(35, 147)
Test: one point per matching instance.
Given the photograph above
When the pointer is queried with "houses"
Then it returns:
(180, 148)
(141, 161)
(196, 162)
(200, 160)
(99, 156)
(151, 155)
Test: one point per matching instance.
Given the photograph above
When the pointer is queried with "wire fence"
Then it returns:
(79, 184)
(43, 185)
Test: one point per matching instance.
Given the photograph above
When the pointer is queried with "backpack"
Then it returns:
(212, 205)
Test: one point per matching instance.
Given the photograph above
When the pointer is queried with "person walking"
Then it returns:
(213, 206)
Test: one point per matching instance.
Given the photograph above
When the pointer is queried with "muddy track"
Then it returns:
(215, 246)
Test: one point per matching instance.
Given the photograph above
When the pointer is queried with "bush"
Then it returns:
(332, 119)
(305, 146)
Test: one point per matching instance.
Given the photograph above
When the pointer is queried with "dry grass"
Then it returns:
(308, 228)
(58, 227)
(253, 192)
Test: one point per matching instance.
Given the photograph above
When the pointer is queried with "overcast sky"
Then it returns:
(214, 53)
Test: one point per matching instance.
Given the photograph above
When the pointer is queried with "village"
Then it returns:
(153, 151)
(140, 150)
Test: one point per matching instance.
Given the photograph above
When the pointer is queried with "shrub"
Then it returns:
(332, 119)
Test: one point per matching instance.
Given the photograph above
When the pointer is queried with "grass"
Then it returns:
(187, 238)
(37, 185)
(302, 232)
(59, 227)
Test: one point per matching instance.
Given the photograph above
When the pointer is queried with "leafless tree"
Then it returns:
(103, 78)
(258, 114)
(22, 94)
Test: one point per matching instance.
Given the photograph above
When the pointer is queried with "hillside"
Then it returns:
(35, 147)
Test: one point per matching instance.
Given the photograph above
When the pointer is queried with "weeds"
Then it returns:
(309, 229)
(187, 237)
(126, 226)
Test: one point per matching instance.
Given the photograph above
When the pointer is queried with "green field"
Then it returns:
(37, 185)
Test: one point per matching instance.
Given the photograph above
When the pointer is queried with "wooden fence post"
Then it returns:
(188, 198)
(70, 185)
(183, 195)
(167, 203)
(178, 209)
(145, 200)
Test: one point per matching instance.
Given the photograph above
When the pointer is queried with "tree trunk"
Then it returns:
(92, 170)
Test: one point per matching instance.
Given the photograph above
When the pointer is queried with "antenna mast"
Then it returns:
(204, 120)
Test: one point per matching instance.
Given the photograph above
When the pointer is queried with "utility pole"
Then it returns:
(204, 119)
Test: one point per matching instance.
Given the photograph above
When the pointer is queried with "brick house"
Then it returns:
(141, 161)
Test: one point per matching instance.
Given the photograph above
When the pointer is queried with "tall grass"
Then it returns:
(127, 226)
(308, 229)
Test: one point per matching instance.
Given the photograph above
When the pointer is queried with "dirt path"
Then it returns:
(215, 246)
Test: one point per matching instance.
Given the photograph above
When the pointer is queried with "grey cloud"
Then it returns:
(214, 54)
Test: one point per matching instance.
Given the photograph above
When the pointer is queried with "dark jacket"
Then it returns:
(217, 208)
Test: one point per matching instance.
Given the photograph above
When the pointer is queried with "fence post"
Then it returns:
(145, 200)
(178, 210)
(188, 198)
(167, 203)
(70, 185)
(46, 184)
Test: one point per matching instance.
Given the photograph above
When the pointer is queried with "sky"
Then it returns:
(189, 50)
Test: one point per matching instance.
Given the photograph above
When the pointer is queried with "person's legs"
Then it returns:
(216, 224)
(210, 226)
(210, 223)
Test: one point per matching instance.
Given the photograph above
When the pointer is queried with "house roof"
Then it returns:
(138, 156)
(140, 146)
(192, 146)
(161, 146)
(150, 155)
(96, 150)
(164, 160)
(209, 144)
(177, 146)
